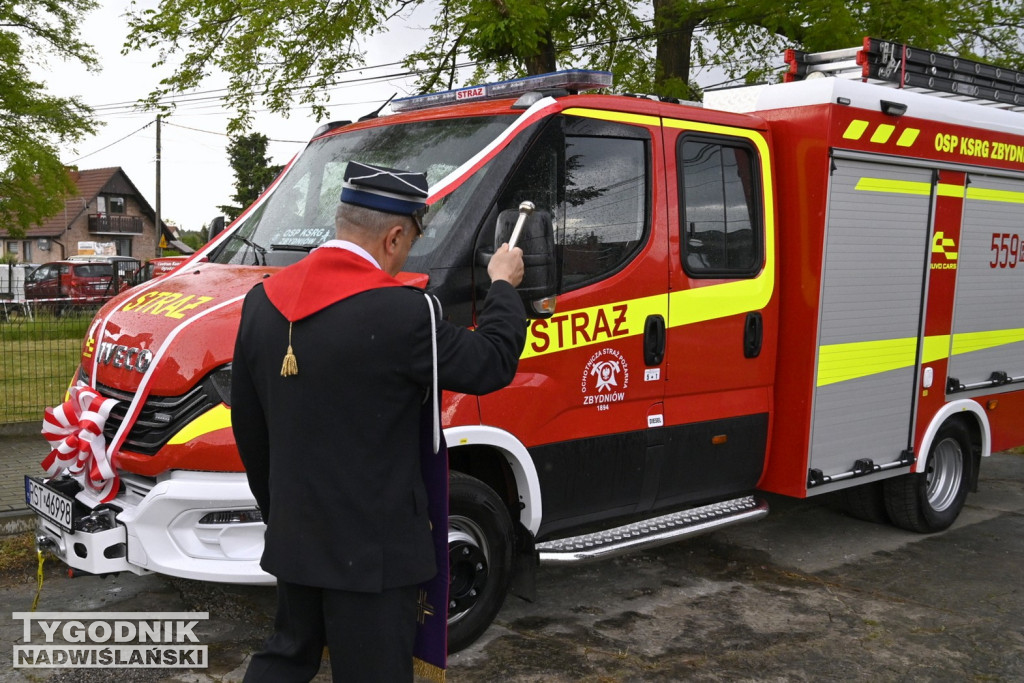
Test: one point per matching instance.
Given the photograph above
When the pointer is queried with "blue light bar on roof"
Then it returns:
(570, 79)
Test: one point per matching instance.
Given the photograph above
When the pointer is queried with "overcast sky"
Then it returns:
(195, 175)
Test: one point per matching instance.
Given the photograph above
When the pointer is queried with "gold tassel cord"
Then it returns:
(289, 366)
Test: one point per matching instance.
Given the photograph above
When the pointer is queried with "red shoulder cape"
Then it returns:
(325, 277)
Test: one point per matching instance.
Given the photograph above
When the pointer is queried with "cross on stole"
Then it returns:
(425, 608)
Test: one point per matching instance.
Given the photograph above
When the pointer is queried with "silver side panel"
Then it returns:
(989, 304)
(877, 244)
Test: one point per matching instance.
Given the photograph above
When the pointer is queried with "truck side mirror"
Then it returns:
(216, 227)
(537, 240)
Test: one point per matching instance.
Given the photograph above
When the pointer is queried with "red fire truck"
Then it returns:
(798, 288)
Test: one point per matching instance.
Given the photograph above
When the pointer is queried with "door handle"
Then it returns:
(753, 335)
(654, 340)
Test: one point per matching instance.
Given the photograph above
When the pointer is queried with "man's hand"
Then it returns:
(507, 265)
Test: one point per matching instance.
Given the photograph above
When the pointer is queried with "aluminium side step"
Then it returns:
(653, 532)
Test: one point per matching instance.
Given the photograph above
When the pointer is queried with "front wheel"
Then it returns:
(931, 501)
(480, 550)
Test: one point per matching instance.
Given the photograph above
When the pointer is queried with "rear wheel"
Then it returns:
(866, 501)
(480, 550)
(931, 500)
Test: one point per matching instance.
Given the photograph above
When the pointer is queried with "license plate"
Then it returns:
(51, 504)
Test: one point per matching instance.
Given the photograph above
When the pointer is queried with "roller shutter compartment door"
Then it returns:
(988, 313)
(874, 272)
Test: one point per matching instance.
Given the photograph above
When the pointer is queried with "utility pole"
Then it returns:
(159, 231)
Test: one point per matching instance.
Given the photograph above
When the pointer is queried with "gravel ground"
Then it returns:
(806, 595)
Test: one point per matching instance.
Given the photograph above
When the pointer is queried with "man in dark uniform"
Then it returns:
(331, 438)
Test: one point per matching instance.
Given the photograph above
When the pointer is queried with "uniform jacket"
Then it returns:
(332, 453)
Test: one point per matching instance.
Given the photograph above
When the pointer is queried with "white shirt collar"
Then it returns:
(349, 246)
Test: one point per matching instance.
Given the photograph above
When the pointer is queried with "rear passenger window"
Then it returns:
(720, 190)
(94, 270)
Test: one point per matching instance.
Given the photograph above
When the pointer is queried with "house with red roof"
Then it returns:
(108, 215)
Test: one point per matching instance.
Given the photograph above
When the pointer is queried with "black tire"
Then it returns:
(866, 502)
(480, 550)
(932, 500)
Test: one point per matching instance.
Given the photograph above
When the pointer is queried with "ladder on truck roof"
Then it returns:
(896, 65)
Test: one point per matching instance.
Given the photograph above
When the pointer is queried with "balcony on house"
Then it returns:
(100, 223)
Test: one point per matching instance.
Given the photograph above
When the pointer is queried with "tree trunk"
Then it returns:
(544, 61)
(672, 56)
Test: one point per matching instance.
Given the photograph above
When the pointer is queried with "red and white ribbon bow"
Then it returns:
(75, 432)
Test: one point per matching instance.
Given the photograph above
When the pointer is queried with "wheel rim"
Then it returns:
(945, 473)
(468, 560)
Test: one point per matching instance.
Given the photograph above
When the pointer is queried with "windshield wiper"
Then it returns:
(260, 252)
(293, 247)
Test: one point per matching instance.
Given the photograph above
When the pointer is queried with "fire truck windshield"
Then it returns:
(299, 214)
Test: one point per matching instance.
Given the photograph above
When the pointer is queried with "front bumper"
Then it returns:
(158, 529)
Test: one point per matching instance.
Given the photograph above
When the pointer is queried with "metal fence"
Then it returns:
(41, 335)
(40, 347)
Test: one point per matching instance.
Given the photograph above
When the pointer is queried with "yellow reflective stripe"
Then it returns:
(987, 195)
(217, 417)
(883, 133)
(893, 186)
(943, 190)
(908, 137)
(965, 342)
(855, 129)
(619, 116)
(909, 187)
(842, 362)
(690, 306)
(935, 348)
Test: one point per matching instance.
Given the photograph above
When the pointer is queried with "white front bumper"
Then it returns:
(158, 530)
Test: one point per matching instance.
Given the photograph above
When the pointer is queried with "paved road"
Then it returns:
(806, 595)
(19, 455)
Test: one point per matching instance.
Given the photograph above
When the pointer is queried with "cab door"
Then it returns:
(42, 283)
(721, 324)
(589, 383)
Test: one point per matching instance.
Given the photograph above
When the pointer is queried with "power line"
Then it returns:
(214, 99)
(213, 132)
(113, 143)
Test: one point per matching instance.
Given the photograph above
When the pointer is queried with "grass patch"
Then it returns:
(46, 326)
(37, 359)
(17, 553)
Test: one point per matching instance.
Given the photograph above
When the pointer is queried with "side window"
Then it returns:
(720, 191)
(41, 273)
(593, 177)
(605, 207)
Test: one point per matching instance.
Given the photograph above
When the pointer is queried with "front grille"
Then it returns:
(160, 418)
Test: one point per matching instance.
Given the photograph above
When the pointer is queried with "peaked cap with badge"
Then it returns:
(385, 189)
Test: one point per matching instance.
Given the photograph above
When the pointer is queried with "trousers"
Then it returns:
(369, 636)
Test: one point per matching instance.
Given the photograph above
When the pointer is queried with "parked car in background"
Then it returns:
(126, 268)
(77, 280)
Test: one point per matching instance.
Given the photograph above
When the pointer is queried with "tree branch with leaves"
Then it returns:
(34, 125)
